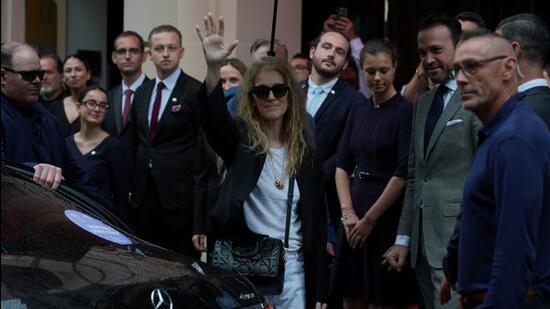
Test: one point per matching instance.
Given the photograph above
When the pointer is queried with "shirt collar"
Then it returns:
(451, 84)
(537, 82)
(170, 81)
(500, 116)
(326, 87)
(135, 84)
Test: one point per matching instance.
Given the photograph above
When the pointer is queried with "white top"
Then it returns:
(169, 84)
(311, 106)
(265, 207)
(134, 86)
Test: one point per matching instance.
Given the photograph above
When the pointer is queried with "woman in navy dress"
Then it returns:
(374, 149)
(102, 156)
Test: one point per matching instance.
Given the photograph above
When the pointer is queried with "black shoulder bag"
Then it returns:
(261, 260)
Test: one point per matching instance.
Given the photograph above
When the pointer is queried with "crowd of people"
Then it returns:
(435, 195)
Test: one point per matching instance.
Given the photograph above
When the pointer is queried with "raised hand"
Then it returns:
(215, 51)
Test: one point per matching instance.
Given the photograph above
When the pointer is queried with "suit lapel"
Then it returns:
(176, 97)
(450, 110)
(117, 105)
(119, 116)
(329, 100)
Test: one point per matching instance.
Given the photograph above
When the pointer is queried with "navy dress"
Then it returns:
(68, 128)
(375, 141)
(108, 168)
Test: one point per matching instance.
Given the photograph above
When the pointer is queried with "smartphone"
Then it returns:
(342, 11)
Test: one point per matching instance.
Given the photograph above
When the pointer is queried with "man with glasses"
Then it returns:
(504, 242)
(30, 134)
(443, 139)
(128, 55)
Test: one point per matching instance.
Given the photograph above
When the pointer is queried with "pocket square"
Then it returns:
(176, 108)
(453, 122)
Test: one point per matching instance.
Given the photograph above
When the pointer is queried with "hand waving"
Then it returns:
(215, 51)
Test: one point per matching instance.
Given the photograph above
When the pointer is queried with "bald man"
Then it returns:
(31, 135)
(504, 242)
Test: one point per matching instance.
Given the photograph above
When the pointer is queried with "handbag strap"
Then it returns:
(289, 202)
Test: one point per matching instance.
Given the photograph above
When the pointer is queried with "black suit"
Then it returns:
(113, 120)
(538, 98)
(330, 120)
(164, 171)
(230, 141)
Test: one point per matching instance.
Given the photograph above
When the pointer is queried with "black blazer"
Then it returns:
(170, 157)
(330, 121)
(538, 98)
(229, 139)
(113, 120)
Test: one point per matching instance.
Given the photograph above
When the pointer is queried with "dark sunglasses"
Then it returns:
(262, 92)
(28, 75)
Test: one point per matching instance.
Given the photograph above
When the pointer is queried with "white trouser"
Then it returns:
(294, 288)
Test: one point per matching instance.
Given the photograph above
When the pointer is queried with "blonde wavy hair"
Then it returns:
(294, 120)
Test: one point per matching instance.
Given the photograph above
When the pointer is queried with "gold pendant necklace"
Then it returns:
(278, 183)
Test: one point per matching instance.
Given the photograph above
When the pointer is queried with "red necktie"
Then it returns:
(127, 104)
(156, 109)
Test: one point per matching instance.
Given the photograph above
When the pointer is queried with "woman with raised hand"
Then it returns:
(102, 156)
(265, 146)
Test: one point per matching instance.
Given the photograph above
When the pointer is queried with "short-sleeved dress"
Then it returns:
(375, 141)
(108, 168)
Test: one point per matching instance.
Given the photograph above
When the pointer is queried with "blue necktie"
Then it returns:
(433, 115)
(315, 102)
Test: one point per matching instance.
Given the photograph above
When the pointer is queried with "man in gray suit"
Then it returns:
(128, 55)
(442, 147)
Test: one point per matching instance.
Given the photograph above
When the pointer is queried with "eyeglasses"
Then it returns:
(29, 76)
(262, 92)
(300, 68)
(91, 105)
(132, 51)
(470, 67)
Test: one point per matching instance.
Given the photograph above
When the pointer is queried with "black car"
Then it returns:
(62, 250)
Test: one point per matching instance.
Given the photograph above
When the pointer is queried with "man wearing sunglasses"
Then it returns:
(504, 242)
(31, 135)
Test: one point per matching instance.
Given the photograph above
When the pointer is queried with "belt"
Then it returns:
(368, 176)
(476, 299)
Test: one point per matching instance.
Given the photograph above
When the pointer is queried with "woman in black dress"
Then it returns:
(102, 156)
(77, 75)
(374, 147)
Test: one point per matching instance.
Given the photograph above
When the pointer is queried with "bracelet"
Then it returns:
(347, 215)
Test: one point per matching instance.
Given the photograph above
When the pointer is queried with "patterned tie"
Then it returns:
(315, 102)
(127, 103)
(156, 109)
(433, 115)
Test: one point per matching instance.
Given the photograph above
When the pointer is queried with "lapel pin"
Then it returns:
(332, 92)
(93, 153)
(174, 100)
(176, 108)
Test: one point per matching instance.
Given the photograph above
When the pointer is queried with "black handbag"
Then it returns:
(260, 259)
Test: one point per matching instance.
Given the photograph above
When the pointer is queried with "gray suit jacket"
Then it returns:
(435, 180)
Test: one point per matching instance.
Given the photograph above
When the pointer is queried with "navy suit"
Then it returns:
(32, 135)
(330, 121)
